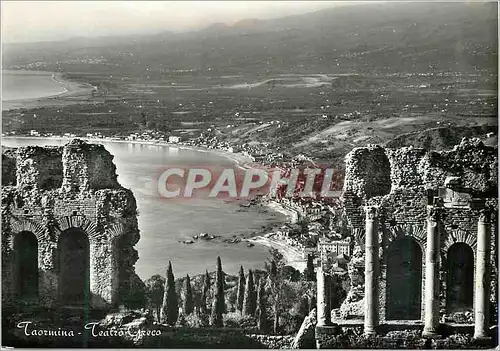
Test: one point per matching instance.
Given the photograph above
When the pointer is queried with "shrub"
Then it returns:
(290, 324)
(197, 320)
(237, 320)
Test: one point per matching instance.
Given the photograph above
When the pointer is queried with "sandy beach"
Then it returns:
(293, 257)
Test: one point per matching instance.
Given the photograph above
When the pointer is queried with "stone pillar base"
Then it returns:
(326, 336)
(482, 339)
(369, 333)
(428, 334)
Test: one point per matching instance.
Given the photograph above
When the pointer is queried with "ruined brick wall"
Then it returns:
(8, 166)
(50, 190)
(402, 182)
(86, 167)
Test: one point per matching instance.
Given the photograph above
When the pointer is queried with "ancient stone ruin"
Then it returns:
(68, 227)
(424, 229)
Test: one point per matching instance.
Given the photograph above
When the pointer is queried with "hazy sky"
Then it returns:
(31, 21)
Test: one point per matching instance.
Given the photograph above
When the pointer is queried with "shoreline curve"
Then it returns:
(70, 88)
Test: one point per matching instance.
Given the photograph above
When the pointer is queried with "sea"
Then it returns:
(27, 85)
(164, 225)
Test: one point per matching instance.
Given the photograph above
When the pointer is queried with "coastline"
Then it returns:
(237, 158)
(71, 89)
(292, 216)
(291, 256)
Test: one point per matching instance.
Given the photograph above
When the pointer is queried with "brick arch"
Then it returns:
(417, 232)
(25, 225)
(359, 236)
(458, 236)
(80, 222)
(115, 231)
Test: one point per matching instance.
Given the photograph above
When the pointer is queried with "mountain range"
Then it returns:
(381, 37)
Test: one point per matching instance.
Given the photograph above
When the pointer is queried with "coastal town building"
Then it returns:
(174, 139)
(424, 231)
(68, 228)
(327, 248)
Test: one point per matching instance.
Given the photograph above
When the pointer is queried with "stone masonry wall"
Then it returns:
(54, 189)
(8, 167)
(396, 337)
(371, 169)
(88, 166)
(39, 168)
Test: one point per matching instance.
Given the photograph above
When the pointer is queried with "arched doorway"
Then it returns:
(404, 280)
(459, 278)
(26, 265)
(74, 267)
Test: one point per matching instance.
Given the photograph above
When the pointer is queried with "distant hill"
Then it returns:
(443, 138)
(382, 37)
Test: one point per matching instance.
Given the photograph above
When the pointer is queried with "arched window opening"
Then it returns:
(74, 267)
(26, 265)
(459, 278)
(404, 280)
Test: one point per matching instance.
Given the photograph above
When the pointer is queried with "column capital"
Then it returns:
(372, 212)
(433, 213)
(484, 215)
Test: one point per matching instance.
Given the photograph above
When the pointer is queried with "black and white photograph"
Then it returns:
(249, 174)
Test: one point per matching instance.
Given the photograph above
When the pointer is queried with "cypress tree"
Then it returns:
(218, 305)
(262, 322)
(274, 271)
(241, 290)
(303, 307)
(309, 272)
(276, 282)
(249, 301)
(188, 305)
(206, 290)
(170, 307)
(312, 303)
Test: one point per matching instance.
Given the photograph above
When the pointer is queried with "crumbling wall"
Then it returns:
(59, 188)
(475, 164)
(8, 167)
(87, 166)
(402, 182)
(38, 168)
(405, 171)
(374, 172)
(367, 175)
(367, 172)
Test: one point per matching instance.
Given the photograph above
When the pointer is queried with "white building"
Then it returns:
(174, 139)
(334, 247)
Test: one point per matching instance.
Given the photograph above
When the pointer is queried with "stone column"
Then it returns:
(431, 314)
(371, 271)
(323, 298)
(482, 286)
